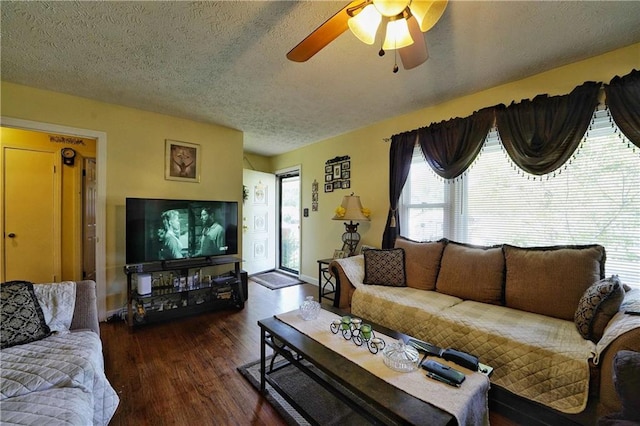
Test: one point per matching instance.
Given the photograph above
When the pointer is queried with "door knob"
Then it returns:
(11, 235)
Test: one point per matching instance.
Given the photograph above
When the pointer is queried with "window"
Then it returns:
(594, 198)
(425, 203)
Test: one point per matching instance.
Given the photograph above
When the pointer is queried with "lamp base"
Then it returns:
(350, 238)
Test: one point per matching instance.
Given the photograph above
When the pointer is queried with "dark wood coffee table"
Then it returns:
(383, 403)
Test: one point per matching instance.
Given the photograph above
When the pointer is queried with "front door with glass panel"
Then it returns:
(289, 201)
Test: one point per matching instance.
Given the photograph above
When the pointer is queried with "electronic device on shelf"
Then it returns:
(224, 280)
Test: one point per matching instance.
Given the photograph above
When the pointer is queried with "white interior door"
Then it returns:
(259, 222)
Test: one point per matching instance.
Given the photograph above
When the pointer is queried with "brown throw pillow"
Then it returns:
(384, 267)
(422, 262)
(551, 280)
(472, 272)
(597, 305)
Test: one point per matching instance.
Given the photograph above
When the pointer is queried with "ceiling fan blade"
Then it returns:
(323, 35)
(416, 53)
(436, 10)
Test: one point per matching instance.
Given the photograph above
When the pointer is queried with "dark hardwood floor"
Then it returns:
(184, 372)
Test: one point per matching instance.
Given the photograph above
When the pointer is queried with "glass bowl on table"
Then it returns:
(401, 357)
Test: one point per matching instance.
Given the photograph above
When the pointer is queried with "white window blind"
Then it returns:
(424, 205)
(593, 199)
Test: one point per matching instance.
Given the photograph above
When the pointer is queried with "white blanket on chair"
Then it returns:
(57, 380)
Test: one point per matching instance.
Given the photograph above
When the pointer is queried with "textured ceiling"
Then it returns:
(224, 62)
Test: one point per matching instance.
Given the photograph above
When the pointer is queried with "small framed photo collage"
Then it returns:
(337, 174)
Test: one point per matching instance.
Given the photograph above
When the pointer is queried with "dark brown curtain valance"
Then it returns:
(451, 146)
(540, 135)
(400, 154)
(623, 100)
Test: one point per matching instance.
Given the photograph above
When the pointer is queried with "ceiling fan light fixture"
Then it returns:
(427, 12)
(391, 8)
(365, 24)
(398, 35)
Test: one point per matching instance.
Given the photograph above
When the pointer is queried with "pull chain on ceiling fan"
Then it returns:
(401, 23)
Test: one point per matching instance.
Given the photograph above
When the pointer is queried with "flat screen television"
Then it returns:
(159, 229)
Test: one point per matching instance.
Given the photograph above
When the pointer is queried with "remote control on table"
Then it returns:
(424, 347)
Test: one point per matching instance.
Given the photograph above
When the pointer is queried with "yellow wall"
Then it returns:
(257, 162)
(370, 155)
(135, 159)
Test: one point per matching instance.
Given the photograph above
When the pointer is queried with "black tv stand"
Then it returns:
(182, 287)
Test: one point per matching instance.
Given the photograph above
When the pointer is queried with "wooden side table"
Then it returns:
(326, 282)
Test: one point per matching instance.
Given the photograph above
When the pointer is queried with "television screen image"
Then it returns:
(159, 229)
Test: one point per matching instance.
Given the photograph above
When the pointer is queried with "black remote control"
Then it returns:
(424, 347)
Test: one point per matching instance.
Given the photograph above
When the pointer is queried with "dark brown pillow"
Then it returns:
(599, 303)
(422, 262)
(551, 280)
(385, 267)
(472, 272)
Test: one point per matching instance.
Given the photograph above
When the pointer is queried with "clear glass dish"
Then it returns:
(309, 309)
(400, 357)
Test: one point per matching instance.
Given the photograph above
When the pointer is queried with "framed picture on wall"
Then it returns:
(182, 161)
(328, 187)
(337, 171)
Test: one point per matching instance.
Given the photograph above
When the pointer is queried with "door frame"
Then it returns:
(279, 174)
(101, 202)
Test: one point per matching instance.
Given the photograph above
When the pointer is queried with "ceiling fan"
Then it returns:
(400, 24)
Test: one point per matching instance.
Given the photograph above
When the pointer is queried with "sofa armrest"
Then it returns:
(622, 333)
(608, 399)
(85, 315)
(344, 287)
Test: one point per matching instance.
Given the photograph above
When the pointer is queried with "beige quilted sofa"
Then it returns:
(516, 309)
